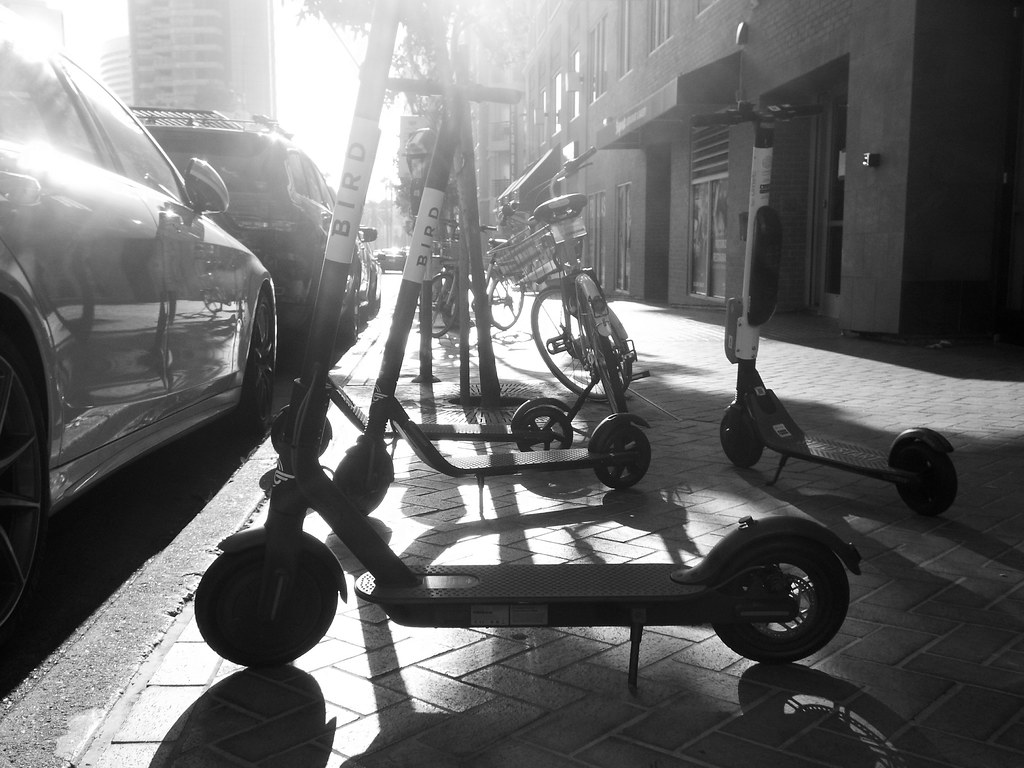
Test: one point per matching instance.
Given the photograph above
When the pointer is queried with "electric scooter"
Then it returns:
(775, 589)
(917, 461)
(617, 450)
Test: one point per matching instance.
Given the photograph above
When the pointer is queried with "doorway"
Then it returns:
(829, 201)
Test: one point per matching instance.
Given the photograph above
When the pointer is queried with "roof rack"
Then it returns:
(205, 118)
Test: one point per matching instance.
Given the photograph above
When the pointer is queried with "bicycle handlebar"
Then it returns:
(575, 165)
(570, 167)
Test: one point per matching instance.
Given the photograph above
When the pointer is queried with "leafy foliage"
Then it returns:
(431, 30)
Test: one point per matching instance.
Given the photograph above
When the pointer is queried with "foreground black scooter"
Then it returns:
(774, 589)
(917, 461)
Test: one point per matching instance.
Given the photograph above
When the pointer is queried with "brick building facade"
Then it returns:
(927, 241)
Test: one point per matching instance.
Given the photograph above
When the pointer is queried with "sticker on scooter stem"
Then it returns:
(355, 181)
(424, 233)
(781, 430)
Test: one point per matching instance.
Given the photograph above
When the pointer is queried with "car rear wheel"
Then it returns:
(23, 488)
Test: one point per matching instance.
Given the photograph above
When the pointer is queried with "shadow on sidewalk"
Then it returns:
(279, 716)
(251, 716)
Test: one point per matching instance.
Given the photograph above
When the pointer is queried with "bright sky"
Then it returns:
(309, 57)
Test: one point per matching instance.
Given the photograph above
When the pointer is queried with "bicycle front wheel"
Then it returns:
(506, 297)
(443, 308)
(604, 360)
(559, 338)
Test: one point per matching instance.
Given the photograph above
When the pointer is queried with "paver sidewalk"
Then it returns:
(928, 669)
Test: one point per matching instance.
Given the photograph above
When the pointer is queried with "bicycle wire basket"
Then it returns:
(527, 256)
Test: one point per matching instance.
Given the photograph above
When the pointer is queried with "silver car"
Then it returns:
(127, 317)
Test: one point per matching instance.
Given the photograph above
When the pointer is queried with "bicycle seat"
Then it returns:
(561, 208)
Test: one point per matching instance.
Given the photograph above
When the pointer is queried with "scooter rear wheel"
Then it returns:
(936, 489)
(739, 437)
(227, 616)
(812, 575)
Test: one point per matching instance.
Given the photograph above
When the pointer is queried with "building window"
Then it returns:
(658, 23)
(577, 80)
(623, 236)
(592, 257)
(559, 90)
(598, 68)
(625, 31)
(543, 122)
(709, 175)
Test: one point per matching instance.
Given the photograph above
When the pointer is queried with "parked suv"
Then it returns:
(280, 207)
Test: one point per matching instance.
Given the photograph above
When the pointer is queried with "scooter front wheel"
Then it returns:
(807, 571)
(617, 438)
(227, 602)
(936, 487)
(542, 424)
(739, 438)
(365, 473)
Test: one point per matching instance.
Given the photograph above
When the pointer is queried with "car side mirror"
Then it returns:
(18, 189)
(206, 189)
(369, 234)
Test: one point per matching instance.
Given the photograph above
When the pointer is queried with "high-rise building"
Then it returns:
(116, 67)
(212, 55)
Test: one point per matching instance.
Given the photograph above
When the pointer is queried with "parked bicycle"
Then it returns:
(505, 294)
(581, 340)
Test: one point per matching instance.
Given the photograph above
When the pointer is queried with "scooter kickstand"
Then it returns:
(636, 632)
(778, 470)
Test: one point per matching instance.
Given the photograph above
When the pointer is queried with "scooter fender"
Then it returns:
(607, 427)
(560, 404)
(752, 531)
(311, 547)
(929, 437)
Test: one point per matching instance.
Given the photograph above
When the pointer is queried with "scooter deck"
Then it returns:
(467, 432)
(564, 595)
(780, 432)
(506, 463)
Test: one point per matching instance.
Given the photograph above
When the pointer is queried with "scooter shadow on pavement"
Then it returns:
(252, 715)
(281, 713)
(807, 711)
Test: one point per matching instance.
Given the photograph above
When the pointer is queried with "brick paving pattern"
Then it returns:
(928, 669)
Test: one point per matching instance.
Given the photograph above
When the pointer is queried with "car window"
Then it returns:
(300, 183)
(241, 159)
(320, 189)
(36, 108)
(139, 157)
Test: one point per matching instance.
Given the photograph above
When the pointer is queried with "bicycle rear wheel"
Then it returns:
(443, 308)
(506, 297)
(558, 337)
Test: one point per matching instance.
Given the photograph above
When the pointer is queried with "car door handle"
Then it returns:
(19, 189)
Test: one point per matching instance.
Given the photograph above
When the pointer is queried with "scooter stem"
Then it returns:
(747, 336)
(298, 450)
